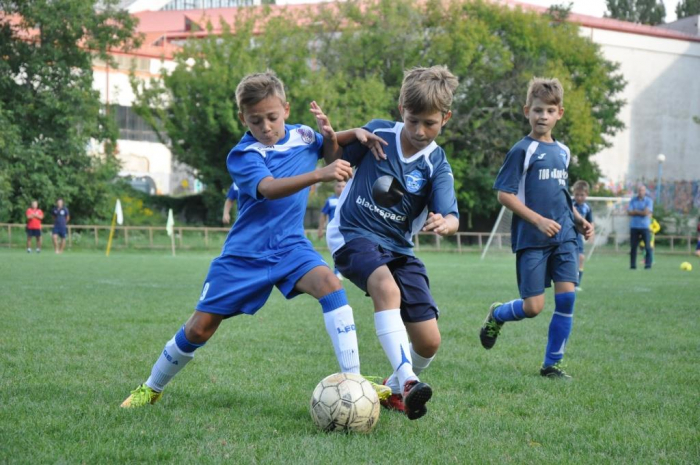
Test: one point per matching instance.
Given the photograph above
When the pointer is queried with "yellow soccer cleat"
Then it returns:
(142, 395)
(383, 392)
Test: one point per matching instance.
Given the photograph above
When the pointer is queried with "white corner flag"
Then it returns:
(119, 213)
(171, 222)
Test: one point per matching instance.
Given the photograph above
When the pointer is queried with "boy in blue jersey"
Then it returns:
(273, 165)
(231, 198)
(327, 214)
(381, 208)
(580, 195)
(533, 184)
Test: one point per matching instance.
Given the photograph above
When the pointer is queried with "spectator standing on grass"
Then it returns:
(61, 217)
(640, 209)
(34, 217)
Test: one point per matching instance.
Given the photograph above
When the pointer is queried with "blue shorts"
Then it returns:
(236, 285)
(33, 232)
(537, 268)
(358, 259)
(60, 232)
(579, 242)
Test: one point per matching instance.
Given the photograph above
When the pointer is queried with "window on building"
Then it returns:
(132, 126)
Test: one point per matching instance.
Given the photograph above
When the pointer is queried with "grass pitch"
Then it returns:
(79, 331)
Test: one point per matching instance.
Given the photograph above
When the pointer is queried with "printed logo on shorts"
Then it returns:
(307, 135)
(414, 181)
(204, 291)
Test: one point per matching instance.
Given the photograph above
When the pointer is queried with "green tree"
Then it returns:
(49, 112)
(637, 11)
(686, 8)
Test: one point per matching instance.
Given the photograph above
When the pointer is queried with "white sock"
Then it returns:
(170, 362)
(340, 326)
(420, 363)
(394, 340)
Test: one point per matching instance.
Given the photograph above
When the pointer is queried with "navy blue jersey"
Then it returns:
(537, 172)
(266, 227)
(585, 211)
(330, 206)
(232, 193)
(423, 183)
(60, 216)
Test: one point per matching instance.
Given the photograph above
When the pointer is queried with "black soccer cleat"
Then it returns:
(491, 328)
(415, 396)
(555, 371)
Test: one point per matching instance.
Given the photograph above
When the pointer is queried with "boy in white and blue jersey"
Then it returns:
(533, 184)
(231, 198)
(274, 165)
(580, 190)
(381, 208)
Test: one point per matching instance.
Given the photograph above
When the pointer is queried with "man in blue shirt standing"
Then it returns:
(640, 209)
(61, 217)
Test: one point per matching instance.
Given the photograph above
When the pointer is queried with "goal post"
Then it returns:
(606, 217)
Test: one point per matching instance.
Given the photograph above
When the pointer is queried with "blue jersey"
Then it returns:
(330, 206)
(641, 222)
(232, 193)
(425, 183)
(266, 227)
(537, 172)
(60, 217)
(585, 211)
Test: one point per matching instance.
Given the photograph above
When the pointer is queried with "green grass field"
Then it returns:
(79, 331)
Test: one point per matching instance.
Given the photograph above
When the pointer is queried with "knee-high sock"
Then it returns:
(177, 353)
(340, 325)
(394, 340)
(560, 327)
(420, 363)
(510, 311)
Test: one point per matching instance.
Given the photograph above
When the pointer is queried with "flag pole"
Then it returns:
(169, 228)
(111, 232)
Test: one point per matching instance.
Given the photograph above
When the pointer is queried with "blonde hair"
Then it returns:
(550, 91)
(428, 89)
(257, 87)
(581, 186)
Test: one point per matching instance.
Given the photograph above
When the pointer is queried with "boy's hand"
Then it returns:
(373, 142)
(436, 223)
(585, 228)
(339, 170)
(324, 124)
(547, 226)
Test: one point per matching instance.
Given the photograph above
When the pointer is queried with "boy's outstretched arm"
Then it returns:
(276, 188)
(331, 150)
(442, 225)
(583, 226)
(512, 203)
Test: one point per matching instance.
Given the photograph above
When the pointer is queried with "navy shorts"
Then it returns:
(579, 243)
(60, 232)
(236, 285)
(537, 268)
(358, 259)
(33, 232)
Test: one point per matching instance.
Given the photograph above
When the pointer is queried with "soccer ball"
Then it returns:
(686, 266)
(345, 402)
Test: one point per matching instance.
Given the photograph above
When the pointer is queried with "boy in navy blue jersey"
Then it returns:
(273, 165)
(379, 211)
(533, 184)
(580, 195)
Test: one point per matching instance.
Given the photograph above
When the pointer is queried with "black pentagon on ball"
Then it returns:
(387, 191)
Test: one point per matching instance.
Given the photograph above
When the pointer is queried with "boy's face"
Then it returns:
(580, 197)
(265, 119)
(542, 117)
(339, 186)
(421, 129)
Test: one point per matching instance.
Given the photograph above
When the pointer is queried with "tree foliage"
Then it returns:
(352, 62)
(686, 8)
(637, 11)
(49, 112)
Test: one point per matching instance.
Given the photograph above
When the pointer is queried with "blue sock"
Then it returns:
(183, 344)
(510, 311)
(560, 327)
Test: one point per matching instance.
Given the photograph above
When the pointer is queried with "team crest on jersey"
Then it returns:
(414, 181)
(307, 135)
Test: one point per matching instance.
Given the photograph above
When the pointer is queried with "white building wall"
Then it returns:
(663, 96)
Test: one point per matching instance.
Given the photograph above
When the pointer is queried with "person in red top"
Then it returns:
(34, 217)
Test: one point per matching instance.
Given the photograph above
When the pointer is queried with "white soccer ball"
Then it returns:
(345, 402)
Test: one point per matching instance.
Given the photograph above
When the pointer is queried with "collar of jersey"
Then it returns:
(423, 153)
